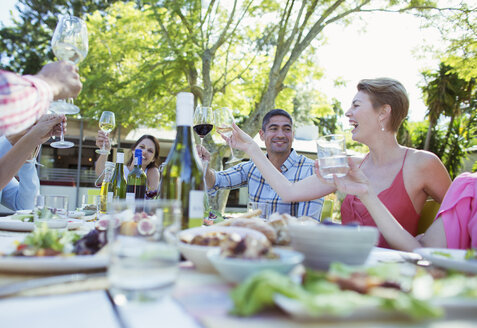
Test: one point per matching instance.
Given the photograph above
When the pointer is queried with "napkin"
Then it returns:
(90, 309)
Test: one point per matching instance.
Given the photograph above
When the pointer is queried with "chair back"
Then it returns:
(327, 209)
(428, 215)
(92, 193)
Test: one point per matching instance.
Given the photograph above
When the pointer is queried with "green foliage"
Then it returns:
(25, 47)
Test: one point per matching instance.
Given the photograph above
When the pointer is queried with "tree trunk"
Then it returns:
(428, 136)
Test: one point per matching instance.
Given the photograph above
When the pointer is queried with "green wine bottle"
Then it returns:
(136, 186)
(118, 182)
(182, 175)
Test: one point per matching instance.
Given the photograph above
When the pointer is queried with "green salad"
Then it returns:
(46, 242)
(345, 289)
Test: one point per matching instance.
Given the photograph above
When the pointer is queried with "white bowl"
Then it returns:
(197, 254)
(322, 244)
(236, 270)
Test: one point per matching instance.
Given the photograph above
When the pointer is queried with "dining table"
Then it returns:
(197, 300)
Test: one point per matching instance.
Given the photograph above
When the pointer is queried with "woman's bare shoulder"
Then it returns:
(422, 158)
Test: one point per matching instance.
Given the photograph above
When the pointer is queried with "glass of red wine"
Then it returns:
(203, 121)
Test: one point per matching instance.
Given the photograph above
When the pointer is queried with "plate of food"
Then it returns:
(454, 259)
(382, 291)
(49, 251)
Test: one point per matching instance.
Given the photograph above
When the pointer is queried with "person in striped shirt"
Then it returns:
(277, 132)
(24, 99)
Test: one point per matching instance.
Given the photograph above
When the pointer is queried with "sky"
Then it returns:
(386, 48)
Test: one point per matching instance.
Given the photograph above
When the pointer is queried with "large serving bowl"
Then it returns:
(236, 270)
(197, 254)
(322, 244)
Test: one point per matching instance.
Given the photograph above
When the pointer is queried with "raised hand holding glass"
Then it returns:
(107, 123)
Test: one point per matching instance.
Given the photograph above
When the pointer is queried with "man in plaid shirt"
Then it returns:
(277, 132)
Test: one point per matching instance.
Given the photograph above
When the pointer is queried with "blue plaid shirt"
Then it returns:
(295, 168)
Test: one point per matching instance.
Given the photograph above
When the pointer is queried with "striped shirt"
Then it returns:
(23, 99)
(295, 168)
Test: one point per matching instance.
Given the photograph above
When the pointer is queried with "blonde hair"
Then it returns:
(385, 91)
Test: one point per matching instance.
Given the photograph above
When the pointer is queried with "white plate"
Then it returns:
(456, 261)
(7, 223)
(47, 264)
(458, 308)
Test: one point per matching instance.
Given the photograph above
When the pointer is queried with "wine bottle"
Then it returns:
(105, 193)
(136, 186)
(182, 175)
(118, 181)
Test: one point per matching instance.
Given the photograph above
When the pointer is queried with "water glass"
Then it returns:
(144, 258)
(332, 156)
(56, 204)
(264, 206)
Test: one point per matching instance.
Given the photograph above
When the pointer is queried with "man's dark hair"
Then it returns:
(275, 112)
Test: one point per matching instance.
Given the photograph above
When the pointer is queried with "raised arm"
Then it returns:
(101, 161)
(356, 183)
(22, 149)
(303, 190)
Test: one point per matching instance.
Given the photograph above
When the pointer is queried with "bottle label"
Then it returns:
(184, 109)
(130, 196)
(196, 204)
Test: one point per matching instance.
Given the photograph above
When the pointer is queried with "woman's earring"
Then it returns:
(382, 127)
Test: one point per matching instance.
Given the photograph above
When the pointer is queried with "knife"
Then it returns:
(17, 287)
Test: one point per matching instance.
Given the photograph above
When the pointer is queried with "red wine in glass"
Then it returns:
(203, 129)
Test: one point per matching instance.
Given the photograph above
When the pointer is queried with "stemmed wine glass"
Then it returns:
(69, 42)
(223, 124)
(107, 122)
(203, 121)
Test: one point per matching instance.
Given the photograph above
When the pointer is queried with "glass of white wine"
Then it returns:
(69, 42)
(223, 124)
(107, 122)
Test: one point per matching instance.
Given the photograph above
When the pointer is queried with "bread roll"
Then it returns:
(256, 224)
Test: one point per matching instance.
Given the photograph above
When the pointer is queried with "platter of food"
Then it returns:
(380, 292)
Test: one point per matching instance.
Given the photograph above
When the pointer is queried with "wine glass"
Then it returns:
(223, 124)
(69, 42)
(203, 121)
(107, 122)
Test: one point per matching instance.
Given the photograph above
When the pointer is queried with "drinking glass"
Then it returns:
(144, 260)
(223, 124)
(203, 121)
(332, 156)
(264, 206)
(107, 122)
(69, 42)
(51, 210)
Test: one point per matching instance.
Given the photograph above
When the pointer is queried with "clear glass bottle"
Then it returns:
(106, 194)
